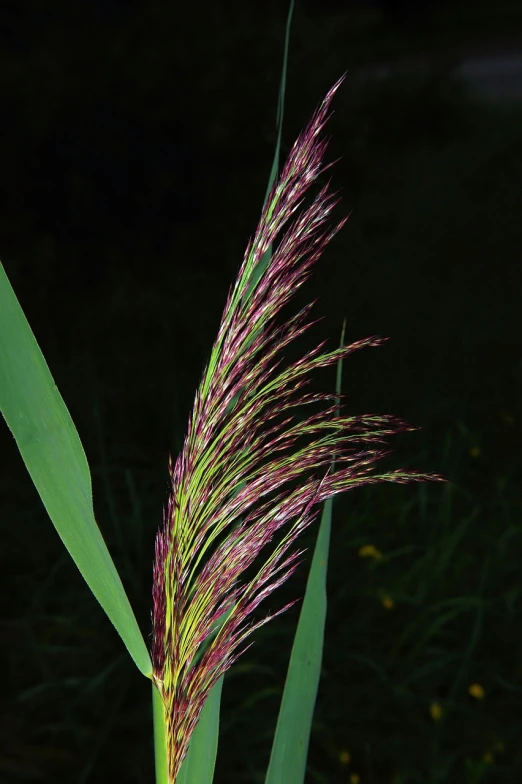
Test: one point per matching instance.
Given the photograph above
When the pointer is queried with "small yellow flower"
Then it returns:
(476, 691)
(355, 778)
(487, 757)
(387, 602)
(369, 551)
(344, 757)
(474, 451)
(436, 711)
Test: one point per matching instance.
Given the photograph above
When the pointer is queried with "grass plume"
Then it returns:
(233, 485)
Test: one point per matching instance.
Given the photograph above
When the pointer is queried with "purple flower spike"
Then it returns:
(232, 486)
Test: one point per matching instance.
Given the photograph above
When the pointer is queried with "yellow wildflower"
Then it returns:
(369, 551)
(436, 711)
(344, 757)
(387, 602)
(474, 451)
(477, 691)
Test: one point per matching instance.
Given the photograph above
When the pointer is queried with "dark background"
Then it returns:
(136, 144)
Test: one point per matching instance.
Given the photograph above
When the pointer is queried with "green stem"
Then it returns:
(160, 738)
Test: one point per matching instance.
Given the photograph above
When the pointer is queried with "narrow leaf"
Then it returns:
(53, 454)
(200, 761)
(204, 739)
(292, 735)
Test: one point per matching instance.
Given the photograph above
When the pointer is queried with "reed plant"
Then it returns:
(249, 479)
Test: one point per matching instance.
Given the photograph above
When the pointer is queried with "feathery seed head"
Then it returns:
(232, 486)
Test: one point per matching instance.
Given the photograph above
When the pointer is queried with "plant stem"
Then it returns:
(160, 738)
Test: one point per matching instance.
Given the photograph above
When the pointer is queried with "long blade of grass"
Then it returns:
(53, 454)
(290, 747)
(265, 259)
(200, 761)
(204, 739)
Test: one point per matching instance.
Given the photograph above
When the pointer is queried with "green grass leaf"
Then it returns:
(204, 740)
(292, 736)
(53, 454)
(198, 766)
